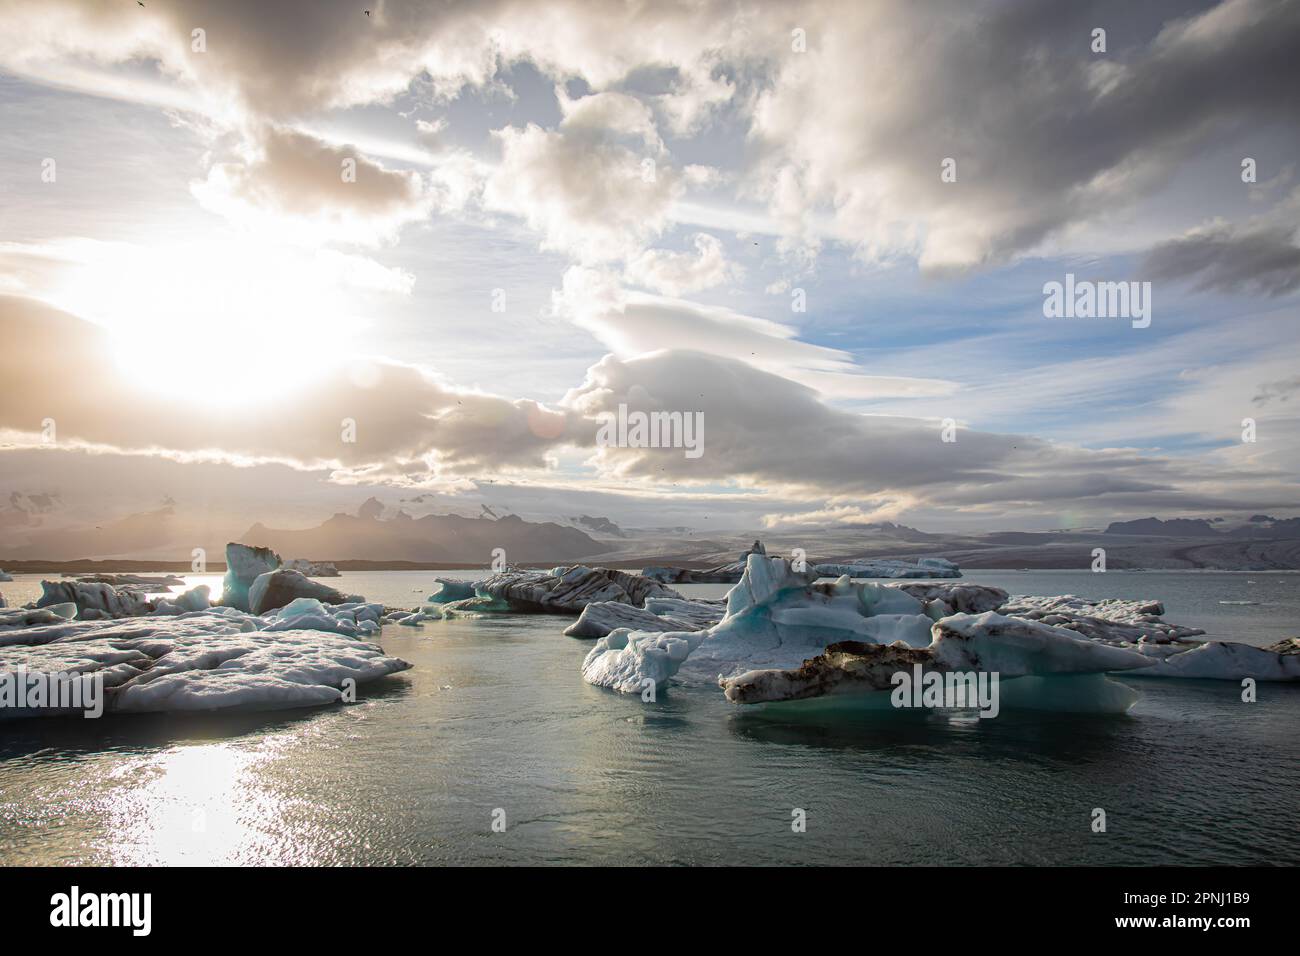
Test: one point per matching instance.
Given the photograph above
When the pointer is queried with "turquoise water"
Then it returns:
(494, 716)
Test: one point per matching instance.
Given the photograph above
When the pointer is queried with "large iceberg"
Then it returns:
(214, 660)
(1061, 671)
(779, 622)
(775, 617)
(244, 564)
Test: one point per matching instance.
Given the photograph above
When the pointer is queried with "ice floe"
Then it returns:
(1110, 620)
(219, 659)
(562, 590)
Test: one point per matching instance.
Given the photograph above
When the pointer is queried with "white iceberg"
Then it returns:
(200, 661)
(775, 618)
(632, 661)
(1115, 619)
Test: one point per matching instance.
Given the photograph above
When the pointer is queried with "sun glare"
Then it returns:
(215, 323)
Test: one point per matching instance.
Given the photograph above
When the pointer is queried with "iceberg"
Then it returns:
(5, 576)
(244, 564)
(450, 589)
(1224, 660)
(659, 614)
(1060, 670)
(195, 599)
(775, 617)
(95, 600)
(1110, 620)
(200, 661)
(275, 589)
(963, 598)
(632, 661)
(563, 590)
(313, 569)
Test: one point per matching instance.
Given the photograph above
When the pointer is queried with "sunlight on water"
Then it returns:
(194, 805)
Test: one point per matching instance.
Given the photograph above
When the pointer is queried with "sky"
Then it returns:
(261, 262)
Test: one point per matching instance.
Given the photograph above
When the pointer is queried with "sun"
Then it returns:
(222, 324)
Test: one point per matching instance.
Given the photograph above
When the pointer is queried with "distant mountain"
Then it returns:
(1173, 528)
(1268, 528)
(899, 531)
(598, 525)
(434, 538)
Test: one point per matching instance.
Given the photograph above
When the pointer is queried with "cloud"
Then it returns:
(1262, 261)
(633, 324)
(591, 197)
(292, 182)
(1044, 134)
(404, 419)
(675, 273)
(843, 142)
(764, 431)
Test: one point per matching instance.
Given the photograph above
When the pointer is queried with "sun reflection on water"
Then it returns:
(195, 805)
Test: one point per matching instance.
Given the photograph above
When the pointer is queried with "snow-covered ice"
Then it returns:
(203, 660)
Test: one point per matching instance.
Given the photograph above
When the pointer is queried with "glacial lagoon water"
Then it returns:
(493, 716)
